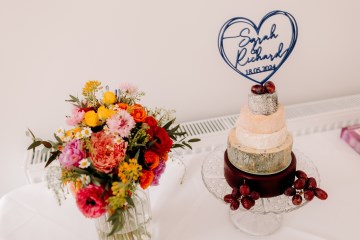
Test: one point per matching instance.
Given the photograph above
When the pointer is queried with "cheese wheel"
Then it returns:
(264, 104)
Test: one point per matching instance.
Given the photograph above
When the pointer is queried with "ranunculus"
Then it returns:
(138, 113)
(76, 117)
(163, 141)
(123, 106)
(151, 159)
(91, 118)
(109, 98)
(72, 154)
(151, 121)
(146, 178)
(104, 113)
(91, 200)
(106, 154)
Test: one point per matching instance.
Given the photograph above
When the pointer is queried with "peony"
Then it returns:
(106, 154)
(158, 172)
(91, 200)
(72, 154)
(138, 113)
(151, 159)
(163, 142)
(77, 115)
(91, 118)
(121, 123)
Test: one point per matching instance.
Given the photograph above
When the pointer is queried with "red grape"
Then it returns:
(269, 86)
(258, 89)
(247, 202)
(309, 194)
(235, 193)
(228, 198)
(244, 190)
(300, 174)
(311, 183)
(321, 194)
(254, 195)
(296, 199)
(290, 191)
(300, 183)
(234, 205)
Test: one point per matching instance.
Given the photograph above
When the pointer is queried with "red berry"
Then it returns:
(254, 195)
(296, 199)
(247, 202)
(235, 193)
(290, 191)
(258, 89)
(321, 194)
(269, 86)
(228, 198)
(309, 194)
(300, 174)
(310, 183)
(244, 190)
(300, 183)
(234, 205)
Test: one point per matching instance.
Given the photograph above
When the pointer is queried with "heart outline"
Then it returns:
(257, 29)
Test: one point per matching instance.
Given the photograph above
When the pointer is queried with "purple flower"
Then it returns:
(158, 171)
(72, 154)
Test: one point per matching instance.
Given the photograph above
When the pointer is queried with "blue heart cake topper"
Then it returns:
(257, 52)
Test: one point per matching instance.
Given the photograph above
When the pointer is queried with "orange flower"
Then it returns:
(151, 159)
(138, 113)
(146, 178)
(164, 157)
(123, 106)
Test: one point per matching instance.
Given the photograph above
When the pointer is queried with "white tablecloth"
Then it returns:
(188, 211)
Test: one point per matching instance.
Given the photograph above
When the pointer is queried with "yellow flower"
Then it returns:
(104, 113)
(91, 87)
(91, 118)
(129, 171)
(109, 98)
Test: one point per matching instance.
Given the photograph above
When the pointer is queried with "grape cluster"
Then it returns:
(242, 195)
(268, 87)
(306, 186)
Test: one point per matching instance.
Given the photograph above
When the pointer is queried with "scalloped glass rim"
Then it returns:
(212, 172)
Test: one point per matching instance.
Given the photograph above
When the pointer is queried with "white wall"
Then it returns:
(48, 49)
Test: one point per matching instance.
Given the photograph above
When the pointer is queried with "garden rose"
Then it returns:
(146, 178)
(105, 154)
(138, 113)
(151, 121)
(163, 142)
(123, 106)
(151, 159)
(91, 200)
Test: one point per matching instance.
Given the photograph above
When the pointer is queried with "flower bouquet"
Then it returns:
(113, 147)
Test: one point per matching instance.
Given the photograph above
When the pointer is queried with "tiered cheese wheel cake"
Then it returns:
(259, 148)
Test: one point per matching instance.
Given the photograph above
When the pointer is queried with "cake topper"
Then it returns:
(257, 52)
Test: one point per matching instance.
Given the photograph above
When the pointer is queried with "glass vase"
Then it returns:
(137, 220)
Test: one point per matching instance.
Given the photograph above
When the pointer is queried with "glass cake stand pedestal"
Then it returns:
(267, 215)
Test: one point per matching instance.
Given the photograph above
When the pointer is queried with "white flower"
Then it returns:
(60, 132)
(86, 131)
(84, 163)
(118, 139)
(85, 179)
(79, 135)
(129, 88)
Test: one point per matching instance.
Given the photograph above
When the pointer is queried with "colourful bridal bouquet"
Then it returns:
(113, 146)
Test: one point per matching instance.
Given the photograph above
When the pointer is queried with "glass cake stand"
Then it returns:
(267, 215)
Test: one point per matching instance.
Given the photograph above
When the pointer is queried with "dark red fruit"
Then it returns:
(244, 190)
(269, 86)
(310, 183)
(247, 202)
(235, 193)
(321, 194)
(301, 174)
(309, 194)
(300, 183)
(234, 205)
(258, 89)
(254, 195)
(296, 199)
(290, 191)
(228, 198)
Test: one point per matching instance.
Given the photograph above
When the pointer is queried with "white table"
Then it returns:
(189, 211)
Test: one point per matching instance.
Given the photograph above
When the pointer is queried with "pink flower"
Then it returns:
(106, 154)
(129, 88)
(91, 200)
(76, 117)
(121, 123)
(158, 171)
(72, 154)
